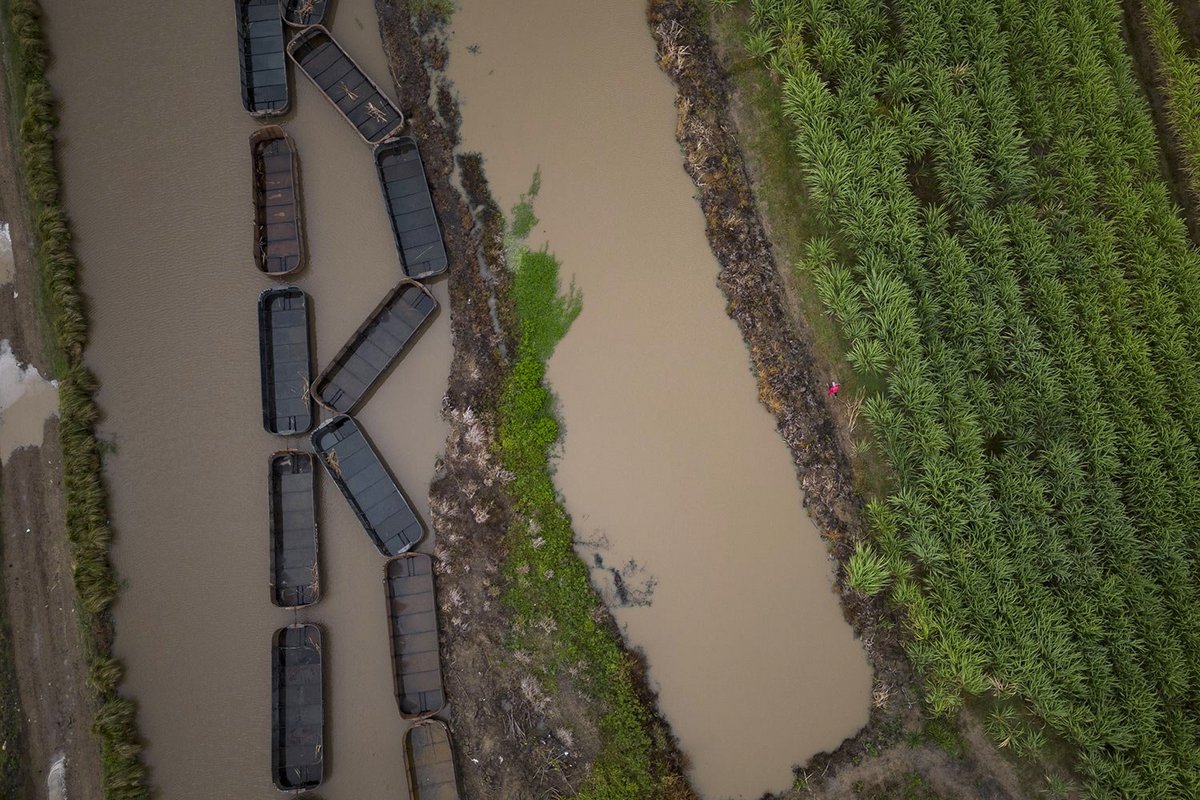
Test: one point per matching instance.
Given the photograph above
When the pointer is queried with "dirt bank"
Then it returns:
(39, 594)
(791, 385)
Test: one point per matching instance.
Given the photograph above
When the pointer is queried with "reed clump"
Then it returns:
(88, 530)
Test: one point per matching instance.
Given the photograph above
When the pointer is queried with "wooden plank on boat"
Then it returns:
(261, 57)
(413, 630)
(302, 13)
(278, 243)
(297, 708)
(410, 208)
(363, 479)
(343, 82)
(295, 574)
(284, 357)
(374, 348)
(431, 772)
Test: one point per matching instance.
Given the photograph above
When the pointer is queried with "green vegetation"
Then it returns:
(441, 10)
(1008, 270)
(867, 571)
(83, 487)
(1180, 77)
(554, 604)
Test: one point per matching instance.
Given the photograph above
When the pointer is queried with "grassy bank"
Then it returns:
(86, 500)
(1179, 76)
(556, 609)
(1004, 262)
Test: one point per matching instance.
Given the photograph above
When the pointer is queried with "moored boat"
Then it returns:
(410, 208)
(278, 243)
(343, 82)
(374, 348)
(261, 57)
(363, 479)
(302, 13)
(295, 571)
(431, 771)
(413, 631)
(297, 708)
(285, 360)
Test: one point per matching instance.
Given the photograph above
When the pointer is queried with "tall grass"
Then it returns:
(88, 531)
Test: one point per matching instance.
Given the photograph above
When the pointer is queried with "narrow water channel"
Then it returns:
(670, 467)
(156, 165)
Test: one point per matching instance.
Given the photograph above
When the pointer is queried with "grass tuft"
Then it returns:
(96, 584)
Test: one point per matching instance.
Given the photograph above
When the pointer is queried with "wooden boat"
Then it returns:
(364, 480)
(410, 208)
(278, 244)
(284, 357)
(302, 13)
(340, 79)
(295, 575)
(413, 631)
(374, 348)
(431, 772)
(261, 57)
(297, 708)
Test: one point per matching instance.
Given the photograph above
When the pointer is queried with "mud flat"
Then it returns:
(672, 470)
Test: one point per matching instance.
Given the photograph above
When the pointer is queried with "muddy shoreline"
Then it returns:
(893, 743)
(513, 739)
(56, 706)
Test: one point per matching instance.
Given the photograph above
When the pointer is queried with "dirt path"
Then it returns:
(39, 595)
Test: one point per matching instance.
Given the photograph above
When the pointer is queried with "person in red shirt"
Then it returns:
(833, 389)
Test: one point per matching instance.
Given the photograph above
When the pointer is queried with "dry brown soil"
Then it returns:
(39, 595)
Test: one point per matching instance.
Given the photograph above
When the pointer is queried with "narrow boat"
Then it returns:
(295, 575)
(302, 13)
(297, 709)
(374, 347)
(431, 772)
(278, 245)
(340, 79)
(413, 630)
(283, 348)
(261, 58)
(364, 480)
(410, 208)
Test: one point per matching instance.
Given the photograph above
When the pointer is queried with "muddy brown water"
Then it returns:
(156, 165)
(669, 460)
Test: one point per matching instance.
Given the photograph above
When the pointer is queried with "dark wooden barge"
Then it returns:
(413, 631)
(374, 348)
(302, 13)
(297, 708)
(431, 772)
(261, 57)
(295, 571)
(410, 208)
(364, 480)
(340, 79)
(285, 360)
(278, 243)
